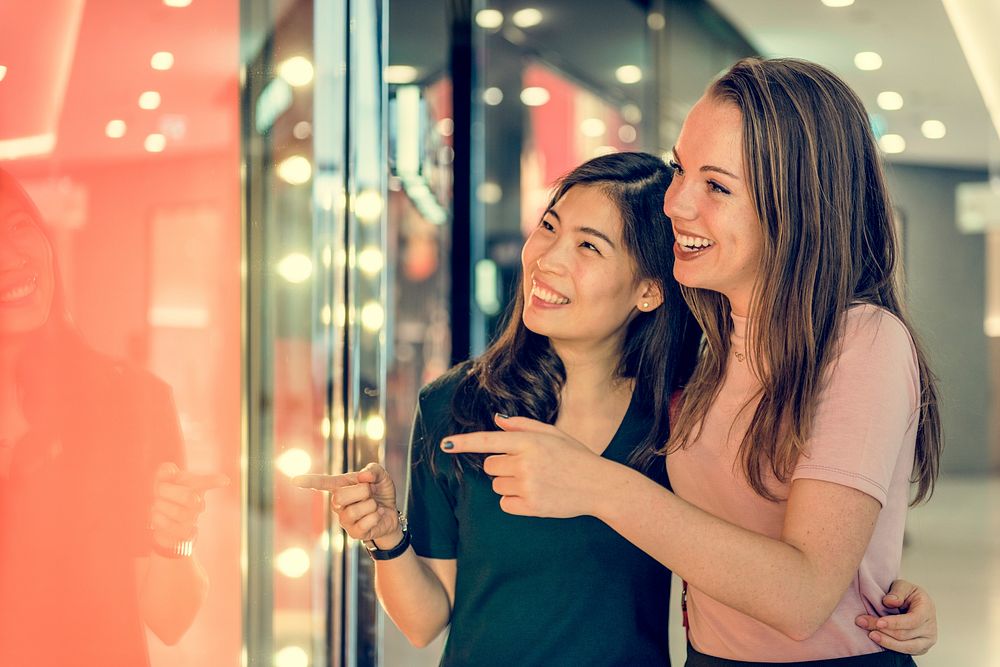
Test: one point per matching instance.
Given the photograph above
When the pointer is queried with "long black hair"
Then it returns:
(520, 374)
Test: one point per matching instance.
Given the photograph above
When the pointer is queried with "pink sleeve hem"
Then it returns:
(851, 479)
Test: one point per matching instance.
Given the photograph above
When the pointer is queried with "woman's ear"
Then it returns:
(651, 296)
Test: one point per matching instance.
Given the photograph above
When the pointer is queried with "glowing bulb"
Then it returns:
(294, 462)
(155, 143)
(628, 74)
(177, 3)
(933, 129)
(627, 133)
(375, 427)
(115, 129)
(527, 18)
(295, 170)
(890, 100)
(534, 96)
(292, 656)
(655, 21)
(326, 315)
(400, 74)
(493, 96)
(372, 316)
(3, 72)
(838, 3)
(868, 61)
(892, 143)
(162, 61)
(370, 261)
(325, 427)
(149, 100)
(593, 127)
(293, 562)
(489, 192)
(632, 114)
(295, 267)
(489, 19)
(297, 71)
(446, 127)
(368, 205)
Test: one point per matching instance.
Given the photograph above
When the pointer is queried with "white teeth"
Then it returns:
(694, 242)
(19, 292)
(547, 296)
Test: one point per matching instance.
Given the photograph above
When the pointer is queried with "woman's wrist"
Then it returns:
(608, 497)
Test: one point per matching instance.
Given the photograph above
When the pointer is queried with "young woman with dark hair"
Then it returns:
(812, 408)
(598, 341)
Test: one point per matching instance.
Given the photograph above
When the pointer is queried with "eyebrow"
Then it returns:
(707, 167)
(586, 230)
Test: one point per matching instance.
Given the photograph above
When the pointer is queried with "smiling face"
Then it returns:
(579, 281)
(27, 280)
(719, 237)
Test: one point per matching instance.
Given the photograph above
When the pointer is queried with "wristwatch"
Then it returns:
(396, 551)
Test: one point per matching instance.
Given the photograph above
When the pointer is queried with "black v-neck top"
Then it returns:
(532, 591)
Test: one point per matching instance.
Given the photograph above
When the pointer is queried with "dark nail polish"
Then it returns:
(448, 445)
(503, 416)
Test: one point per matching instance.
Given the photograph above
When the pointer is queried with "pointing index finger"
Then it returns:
(483, 442)
(325, 482)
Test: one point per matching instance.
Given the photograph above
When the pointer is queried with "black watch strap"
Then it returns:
(396, 551)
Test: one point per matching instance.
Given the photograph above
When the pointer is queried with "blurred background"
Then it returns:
(297, 212)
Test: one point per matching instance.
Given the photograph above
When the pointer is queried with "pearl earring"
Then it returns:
(645, 304)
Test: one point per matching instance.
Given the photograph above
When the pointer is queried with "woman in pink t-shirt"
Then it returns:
(812, 408)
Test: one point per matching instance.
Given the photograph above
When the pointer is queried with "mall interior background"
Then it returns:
(298, 212)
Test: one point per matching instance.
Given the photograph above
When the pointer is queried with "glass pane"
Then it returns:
(120, 241)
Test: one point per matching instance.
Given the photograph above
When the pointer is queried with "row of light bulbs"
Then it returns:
(889, 100)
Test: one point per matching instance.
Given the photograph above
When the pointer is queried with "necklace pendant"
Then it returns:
(740, 357)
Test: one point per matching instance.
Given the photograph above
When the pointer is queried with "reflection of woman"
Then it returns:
(811, 406)
(96, 517)
(599, 339)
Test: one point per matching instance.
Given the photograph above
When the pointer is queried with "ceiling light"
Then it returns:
(297, 71)
(370, 261)
(655, 21)
(534, 96)
(933, 129)
(527, 18)
(372, 319)
(838, 3)
(115, 129)
(177, 3)
(149, 100)
(400, 74)
(3, 72)
(162, 60)
(868, 61)
(493, 96)
(628, 74)
(593, 127)
(890, 100)
(155, 143)
(632, 114)
(490, 19)
(892, 143)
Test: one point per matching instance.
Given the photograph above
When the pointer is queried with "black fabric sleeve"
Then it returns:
(430, 504)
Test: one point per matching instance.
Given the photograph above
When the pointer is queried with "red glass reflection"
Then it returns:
(119, 335)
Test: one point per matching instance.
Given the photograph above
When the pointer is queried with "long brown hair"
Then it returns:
(829, 241)
(520, 374)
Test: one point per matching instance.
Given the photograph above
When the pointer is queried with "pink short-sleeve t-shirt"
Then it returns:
(863, 437)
